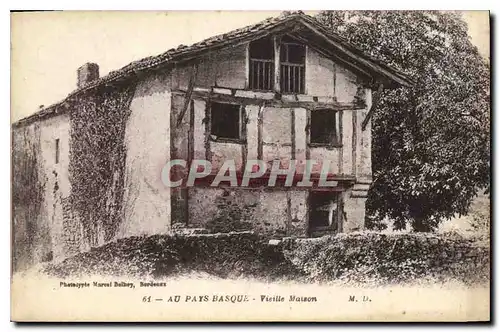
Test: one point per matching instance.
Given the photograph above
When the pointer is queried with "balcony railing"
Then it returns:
(292, 76)
(261, 74)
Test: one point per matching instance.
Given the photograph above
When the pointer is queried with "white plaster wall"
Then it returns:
(347, 165)
(321, 155)
(354, 208)
(252, 112)
(326, 78)
(345, 85)
(231, 67)
(277, 135)
(225, 68)
(364, 156)
(222, 151)
(277, 125)
(51, 129)
(320, 74)
(147, 137)
(300, 138)
(273, 152)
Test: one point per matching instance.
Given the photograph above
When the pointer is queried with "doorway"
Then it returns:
(324, 208)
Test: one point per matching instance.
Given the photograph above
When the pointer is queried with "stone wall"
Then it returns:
(276, 213)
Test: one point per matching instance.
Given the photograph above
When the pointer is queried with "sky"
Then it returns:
(48, 47)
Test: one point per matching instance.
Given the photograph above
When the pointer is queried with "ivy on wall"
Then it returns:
(27, 194)
(97, 160)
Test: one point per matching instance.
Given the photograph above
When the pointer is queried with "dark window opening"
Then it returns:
(225, 121)
(324, 210)
(324, 127)
(262, 49)
(57, 150)
(261, 64)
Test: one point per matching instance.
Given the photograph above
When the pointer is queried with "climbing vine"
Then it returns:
(27, 193)
(97, 163)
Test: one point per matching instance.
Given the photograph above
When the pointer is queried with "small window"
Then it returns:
(323, 210)
(262, 64)
(293, 63)
(325, 127)
(225, 121)
(57, 150)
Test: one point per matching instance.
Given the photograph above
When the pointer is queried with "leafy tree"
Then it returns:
(431, 142)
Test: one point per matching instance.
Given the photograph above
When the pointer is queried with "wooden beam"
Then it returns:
(189, 93)
(354, 142)
(311, 105)
(277, 66)
(260, 125)
(372, 108)
(247, 66)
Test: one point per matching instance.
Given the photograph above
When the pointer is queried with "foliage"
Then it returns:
(222, 255)
(27, 194)
(431, 142)
(362, 258)
(97, 150)
(384, 258)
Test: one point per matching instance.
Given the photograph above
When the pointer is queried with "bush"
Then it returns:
(222, 255)
(390, 258)
(373, 258)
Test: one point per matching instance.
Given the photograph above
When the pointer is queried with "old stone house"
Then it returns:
(87, 170)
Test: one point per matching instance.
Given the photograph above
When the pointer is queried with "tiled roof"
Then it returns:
(216, 42)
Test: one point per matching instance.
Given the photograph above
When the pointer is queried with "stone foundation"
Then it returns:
(272, 212)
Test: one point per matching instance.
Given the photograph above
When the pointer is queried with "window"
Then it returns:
(292, 65)
(261, 74)
(226, 121)
(325, 127)
(324, 210)
(57, 150)
(293, 60)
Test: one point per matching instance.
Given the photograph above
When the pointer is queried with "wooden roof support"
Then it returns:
(189, 93)
(372, 108)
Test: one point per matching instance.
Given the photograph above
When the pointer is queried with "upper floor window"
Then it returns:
(293, 65)
(261, 74)
(262, 65)
(325, 127)
(226, 121)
